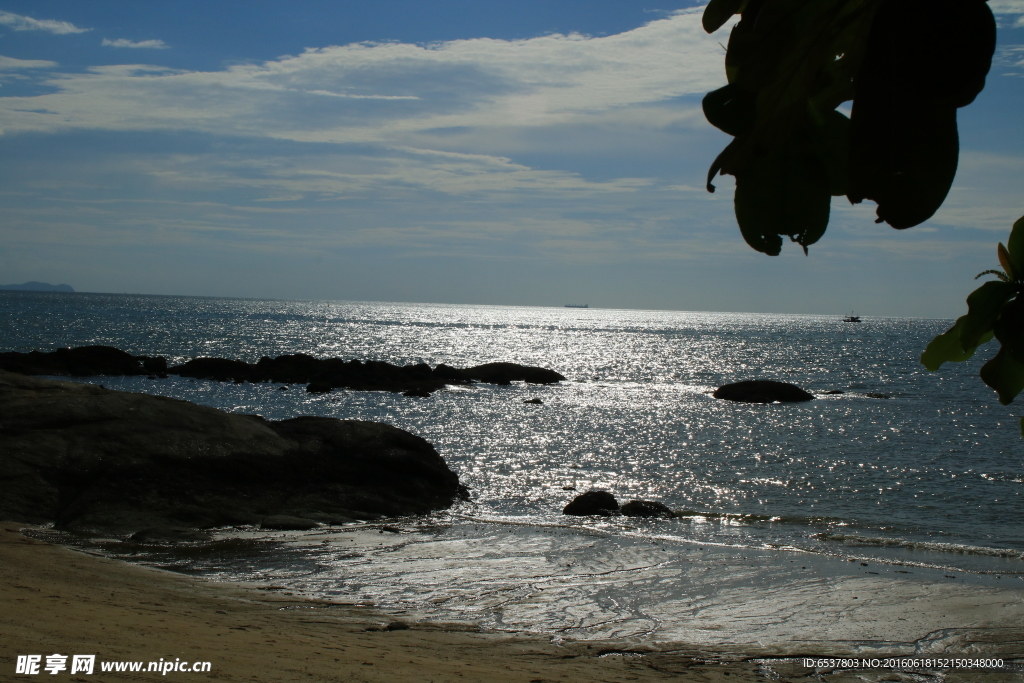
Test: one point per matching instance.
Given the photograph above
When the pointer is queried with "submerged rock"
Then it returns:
(762, 391)
(162, 535)
(288, 523)
(646, 508)
(592, 503)
(91, 459)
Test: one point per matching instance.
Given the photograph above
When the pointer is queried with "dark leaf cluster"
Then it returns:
(907, 65)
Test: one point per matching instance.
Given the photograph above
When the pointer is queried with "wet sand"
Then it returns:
(56, 600)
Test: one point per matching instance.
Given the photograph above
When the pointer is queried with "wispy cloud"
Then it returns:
(145, 44)
(10, 63)
(19, 22)
(380, 92)
(1010, 13)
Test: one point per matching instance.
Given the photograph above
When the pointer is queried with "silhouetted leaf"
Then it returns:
(718, 12)
(831, 137)
(1004, 374)
(983, 307)
(782, 195)
(1009, 329)
(730, 109)
(1005, 262)
(1015, 246)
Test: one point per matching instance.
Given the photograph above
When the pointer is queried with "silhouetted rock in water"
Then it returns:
(91, 459)
(872, 395)
(646, 508)
(84, 361)
(762, 391)
(320, 375)
(417, 393)
(831, 392)
(504, 373)
(592, 503)
(534, 401)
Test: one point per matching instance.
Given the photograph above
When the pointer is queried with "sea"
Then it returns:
(891, 470)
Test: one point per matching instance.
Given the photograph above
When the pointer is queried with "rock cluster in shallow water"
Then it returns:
(321, 375)
(604, 504)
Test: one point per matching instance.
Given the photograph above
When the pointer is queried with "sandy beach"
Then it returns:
(57, 600)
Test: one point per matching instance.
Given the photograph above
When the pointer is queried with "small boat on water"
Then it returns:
(577, 305)
(851, 318)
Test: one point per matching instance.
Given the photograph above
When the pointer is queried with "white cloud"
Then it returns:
(381, 92)
(20, 22)
(1005, 11)
(9, 63)
(124, 42)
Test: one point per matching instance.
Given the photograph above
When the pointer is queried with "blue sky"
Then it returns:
(523, 153)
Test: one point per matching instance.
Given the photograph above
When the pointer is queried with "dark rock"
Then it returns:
(872, 395)
(831, 392)
(220, 369)
(334, 373)
(417, 393)
(646, 508)
(762, 391)
(318, 388)
(592, 503)
(287, 523)
(84, 361)
(534, 401)
(504, 373)
(397, 626)
(90, 459)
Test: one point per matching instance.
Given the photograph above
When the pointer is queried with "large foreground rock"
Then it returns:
(91, 459)
(762, 391)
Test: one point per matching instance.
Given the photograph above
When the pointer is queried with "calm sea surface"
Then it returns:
(929, 479)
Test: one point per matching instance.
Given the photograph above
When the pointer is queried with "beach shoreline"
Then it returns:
(57, 600)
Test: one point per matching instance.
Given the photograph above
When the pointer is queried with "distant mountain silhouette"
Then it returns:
(34, 286)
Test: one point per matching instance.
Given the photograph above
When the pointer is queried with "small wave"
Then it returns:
(752, 518)
(931, 546)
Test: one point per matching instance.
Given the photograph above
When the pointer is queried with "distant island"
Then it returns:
(34, 286)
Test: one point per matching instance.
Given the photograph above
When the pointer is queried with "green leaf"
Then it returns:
(1015, 245)
(983, 308)
(1004, 374)
(946, 348)
(718, 12)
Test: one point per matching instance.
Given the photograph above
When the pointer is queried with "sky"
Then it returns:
(510, 152)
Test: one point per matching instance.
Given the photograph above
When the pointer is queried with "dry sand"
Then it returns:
(56, 600)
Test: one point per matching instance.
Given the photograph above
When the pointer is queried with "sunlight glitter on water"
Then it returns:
(635, 416)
